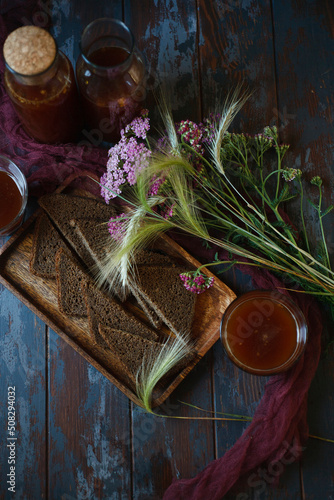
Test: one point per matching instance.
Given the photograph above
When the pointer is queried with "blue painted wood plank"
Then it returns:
(304, 51)
(22, 369)
(318, 474)
(167, 38)
(241, 53)
(236, 50)
(69, 18)
(89, 430)
(167, 448)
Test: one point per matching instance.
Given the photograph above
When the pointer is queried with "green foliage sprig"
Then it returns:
(227, 189)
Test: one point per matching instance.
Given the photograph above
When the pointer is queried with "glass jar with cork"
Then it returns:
(40, 82)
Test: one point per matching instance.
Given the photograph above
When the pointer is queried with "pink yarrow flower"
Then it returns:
(139, 126)
(196, 282)
(156, 183)
(167, 211)
(126, 159)
(116, 227)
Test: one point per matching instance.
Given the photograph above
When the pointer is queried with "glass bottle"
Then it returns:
(111, 77)
(40, 82)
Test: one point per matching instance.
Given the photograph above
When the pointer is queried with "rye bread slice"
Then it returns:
(164, 291)
(46, 242)
(70, 274)
(151, 315)
(127, 352)
(104, 309)
(94, 248)
(62, 208)
(147, 257)
(94, 238)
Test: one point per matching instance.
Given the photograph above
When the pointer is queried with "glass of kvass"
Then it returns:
(263, 332)
(111, 77)
(13, 196)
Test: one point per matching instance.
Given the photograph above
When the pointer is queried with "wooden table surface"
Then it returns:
(78, 436)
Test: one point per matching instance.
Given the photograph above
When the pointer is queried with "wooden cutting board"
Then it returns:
(40, 295)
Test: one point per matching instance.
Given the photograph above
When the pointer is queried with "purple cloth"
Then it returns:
(279, 429)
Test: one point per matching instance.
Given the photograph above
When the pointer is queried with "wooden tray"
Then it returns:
(40, 295)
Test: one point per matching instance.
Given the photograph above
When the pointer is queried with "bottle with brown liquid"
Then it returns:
(111, 77)
(40, 82)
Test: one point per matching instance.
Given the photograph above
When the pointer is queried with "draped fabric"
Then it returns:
(278, 432)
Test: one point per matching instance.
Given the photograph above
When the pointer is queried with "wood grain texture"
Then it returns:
(236, 49)
(169, 448)
(304, 51)
(23, 366)
(90, 433)
(168, 39)
(79, 437)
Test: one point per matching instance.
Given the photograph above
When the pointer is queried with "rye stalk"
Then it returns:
(228, 191)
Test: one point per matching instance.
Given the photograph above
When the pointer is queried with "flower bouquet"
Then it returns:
(225, 188)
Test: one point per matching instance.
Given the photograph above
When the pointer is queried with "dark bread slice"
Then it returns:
(150, 313)
(94, 248)
(127, 352)
(62, 204)
(147, 257)
(46, 242)
(62, 208)
(94, 238)
(164, 291)
(70, 275)
(104, 309)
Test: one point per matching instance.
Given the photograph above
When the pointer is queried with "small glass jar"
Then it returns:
(13, 196)
(263, 332)
(111, 77)
(40, 82)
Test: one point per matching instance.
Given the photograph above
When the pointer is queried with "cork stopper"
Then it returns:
(29, 50)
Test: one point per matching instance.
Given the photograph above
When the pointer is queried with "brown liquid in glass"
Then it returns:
(108, 103)
(108, 56)
(48, 115)
(10, 199)
(262, 334)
